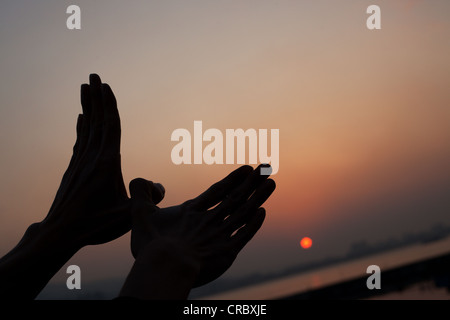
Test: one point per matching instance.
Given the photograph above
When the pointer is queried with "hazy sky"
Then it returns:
(363, 115)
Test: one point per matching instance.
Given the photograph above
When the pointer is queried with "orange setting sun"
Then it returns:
(306, 243)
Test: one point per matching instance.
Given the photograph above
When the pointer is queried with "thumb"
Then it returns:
(142, 194)
(143, 210)
(145, 190)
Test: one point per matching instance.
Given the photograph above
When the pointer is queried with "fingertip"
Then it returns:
(110, 100)
(137, 182)
(106, 88)
(263, 165)
(161, 188)
(140, 188)
(241, 172)
(261, 194)
(271, 184)
(94, 79)
(258, 219)
(261, 211)
(264, 169)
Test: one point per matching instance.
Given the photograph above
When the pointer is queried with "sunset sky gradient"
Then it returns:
(364, 116)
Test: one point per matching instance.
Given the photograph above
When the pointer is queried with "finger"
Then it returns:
(83, 134)
(246, 233)
(142, 205)
(96, 98)
(147, 191)
(76, 147)
(159, 193)
(85, 94)
(140, 189)
(109, 104)
(261, 195)
(96, 120)
(241, 193)
(246, 211)
(112, 131)
(219, 190)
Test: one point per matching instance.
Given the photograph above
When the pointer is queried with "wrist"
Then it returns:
(46, 239)
(161, 271)
(167, 252)
(28, 267)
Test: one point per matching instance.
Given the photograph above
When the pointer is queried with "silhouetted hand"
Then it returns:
(90, 207)
(202, 238)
